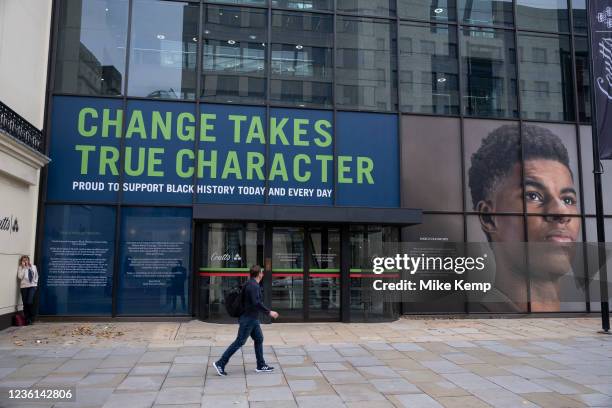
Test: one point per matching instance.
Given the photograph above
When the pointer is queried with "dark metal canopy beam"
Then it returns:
(298, 213)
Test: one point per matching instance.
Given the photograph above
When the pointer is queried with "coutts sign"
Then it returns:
(9, 224)
(600, 15)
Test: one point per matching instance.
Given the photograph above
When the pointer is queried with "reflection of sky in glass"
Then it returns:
(543, 4)
(104, 28)
(486, 12)
(163, 48)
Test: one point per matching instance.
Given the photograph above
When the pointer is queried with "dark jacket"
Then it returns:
(253, 303)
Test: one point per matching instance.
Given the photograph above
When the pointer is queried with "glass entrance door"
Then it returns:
(306, 272)
(288, 272)
(324, 273)
(227, 250)
(302, 268)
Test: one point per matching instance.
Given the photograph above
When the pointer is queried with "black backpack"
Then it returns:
(234, 303)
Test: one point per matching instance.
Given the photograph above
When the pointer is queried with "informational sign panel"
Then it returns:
(600, 15)
(77, 260)
(167, 153)
(155, 262)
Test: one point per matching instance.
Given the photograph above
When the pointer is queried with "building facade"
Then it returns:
(192, 139)
(21, 140)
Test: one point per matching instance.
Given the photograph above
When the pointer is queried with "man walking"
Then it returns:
(249, 324)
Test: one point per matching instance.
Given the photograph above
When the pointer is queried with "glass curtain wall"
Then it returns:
(442, 57)
(478, 63)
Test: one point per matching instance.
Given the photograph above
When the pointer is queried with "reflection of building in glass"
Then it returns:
(542, 16)
(233, 56)
(364, 70)
(546, 77)
(301, 70)
(91, 49)
(488, 72)
(112, 80)
(428, 77)
(93, 77)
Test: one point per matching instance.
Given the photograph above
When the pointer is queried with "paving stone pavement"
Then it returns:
(466, 363)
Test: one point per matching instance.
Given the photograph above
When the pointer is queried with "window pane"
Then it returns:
(243, 242)
(302, 69)
(432, 185)
(301, 93)
(435, 10)
(546, 77)
(250, 2)
(233, 60)
(155, 261)
(91, 46)
(365, 64)
(542, 15)
(428, 77)
(324, 277)
(327, 5)
(367, 7)
(581, 47)
(588, 185)
(367, 304)
(489, 72)
(163, 50)
(437, 235)
(580, 16)
(486, 12)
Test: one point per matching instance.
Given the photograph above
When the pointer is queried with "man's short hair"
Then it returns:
(500, 151)
(254, 271)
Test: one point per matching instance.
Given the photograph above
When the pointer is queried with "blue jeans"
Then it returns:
(248, 327)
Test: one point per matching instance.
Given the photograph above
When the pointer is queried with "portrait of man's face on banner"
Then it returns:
(544, 186)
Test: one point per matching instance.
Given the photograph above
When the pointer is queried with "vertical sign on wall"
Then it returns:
(600, 15)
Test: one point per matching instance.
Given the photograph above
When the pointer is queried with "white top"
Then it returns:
(24, 279)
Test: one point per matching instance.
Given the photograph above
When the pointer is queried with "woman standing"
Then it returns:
(28, 280)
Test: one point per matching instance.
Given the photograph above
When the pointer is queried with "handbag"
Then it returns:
(19, 319)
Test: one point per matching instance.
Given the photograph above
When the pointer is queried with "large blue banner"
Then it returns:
(369, 144)
(157, 152)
